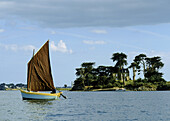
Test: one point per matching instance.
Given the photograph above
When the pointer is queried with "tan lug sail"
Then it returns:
(39, 71)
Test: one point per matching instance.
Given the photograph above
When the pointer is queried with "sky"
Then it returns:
(81, 31)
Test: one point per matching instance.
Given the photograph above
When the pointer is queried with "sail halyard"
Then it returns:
(39, 76)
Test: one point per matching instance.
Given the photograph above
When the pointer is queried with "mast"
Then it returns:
(33, 52)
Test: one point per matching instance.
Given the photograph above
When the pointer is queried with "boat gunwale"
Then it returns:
(38, 93)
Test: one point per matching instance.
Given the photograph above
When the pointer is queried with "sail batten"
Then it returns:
(39, 76)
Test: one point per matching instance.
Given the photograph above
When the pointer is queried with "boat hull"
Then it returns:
(39, 96)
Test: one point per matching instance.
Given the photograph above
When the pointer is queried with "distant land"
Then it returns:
(11, 86)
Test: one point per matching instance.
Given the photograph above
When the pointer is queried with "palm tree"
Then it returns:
(121, 61)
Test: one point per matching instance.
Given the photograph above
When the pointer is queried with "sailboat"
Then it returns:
(39, 77)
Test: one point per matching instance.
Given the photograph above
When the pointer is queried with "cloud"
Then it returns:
(164, 55)
(61, 47)
(28, 28)
(15, 47)
(2, 30)
(99, 31)
(149, 33)
(70, 34)
(53, 32)
(91, 42)
(27, 48)
(86, 13)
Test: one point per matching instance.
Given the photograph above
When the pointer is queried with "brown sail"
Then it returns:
(39, 71)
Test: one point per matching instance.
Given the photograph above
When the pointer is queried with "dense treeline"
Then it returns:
(11, 86)
(89, 77)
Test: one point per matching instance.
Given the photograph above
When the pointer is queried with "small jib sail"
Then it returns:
(39, 76)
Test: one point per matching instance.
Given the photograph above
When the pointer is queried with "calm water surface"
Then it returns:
(94, 106)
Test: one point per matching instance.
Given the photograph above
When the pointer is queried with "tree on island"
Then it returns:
(137, 64)
(135, 67)
(105, 76)
(121, 61)
(153, 66)
(87, 67)
(150, 67)
(140, 60)
(84, 76)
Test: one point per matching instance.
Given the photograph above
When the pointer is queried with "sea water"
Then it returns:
(88, 106)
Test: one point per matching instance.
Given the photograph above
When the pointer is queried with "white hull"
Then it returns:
(39, 96)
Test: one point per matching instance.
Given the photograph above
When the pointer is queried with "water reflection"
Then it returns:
(38, 109)
(40, 102)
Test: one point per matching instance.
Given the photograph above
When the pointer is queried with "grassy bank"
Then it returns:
(63, 89)
(130, 85)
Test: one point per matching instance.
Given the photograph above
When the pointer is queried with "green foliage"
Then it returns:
(141, 86)
(109, 85)
(163, 86)
(117, 84)
(99, 87)
(79, 84)
(120, 59)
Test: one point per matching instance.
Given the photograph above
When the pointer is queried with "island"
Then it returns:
(11, 86)
(116, 77)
